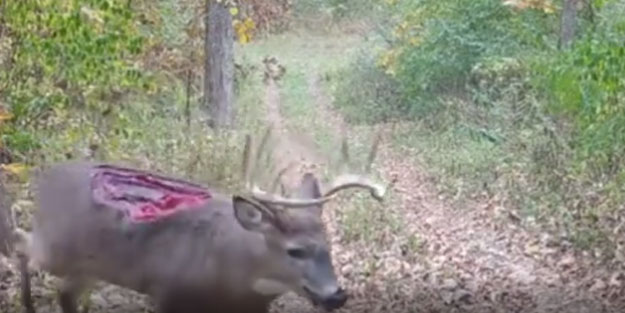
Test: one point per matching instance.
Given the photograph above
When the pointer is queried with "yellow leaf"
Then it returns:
(414, 41)
(91, 15)
(549, 8)
(234, 11)
(244, 30)
(249, 23)
(14, 168)
(5, 116)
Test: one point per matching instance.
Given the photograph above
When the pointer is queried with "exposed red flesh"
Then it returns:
(143, 196)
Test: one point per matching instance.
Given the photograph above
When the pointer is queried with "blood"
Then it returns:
(143, 196)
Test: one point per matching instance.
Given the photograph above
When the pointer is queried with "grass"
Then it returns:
(460, 160)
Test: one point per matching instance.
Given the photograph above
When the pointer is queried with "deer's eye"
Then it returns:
(296, 253)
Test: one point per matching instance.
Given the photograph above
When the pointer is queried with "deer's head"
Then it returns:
(299, 256)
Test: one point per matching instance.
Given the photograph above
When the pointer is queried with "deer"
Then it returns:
(188, 248)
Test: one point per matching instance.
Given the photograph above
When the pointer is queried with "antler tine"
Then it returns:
(246, 160)
(278, 179)
(356, 181)
(267, 166)
(341, 183)
(259, 152)
(273, 199)
(373, 152)
(344, 154)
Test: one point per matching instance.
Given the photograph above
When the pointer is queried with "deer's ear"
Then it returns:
(309, 187)
(251, 215)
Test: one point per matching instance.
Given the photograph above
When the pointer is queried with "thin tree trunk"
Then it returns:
(219, 65)
(568, 23)
(6, 227)
(187, 107)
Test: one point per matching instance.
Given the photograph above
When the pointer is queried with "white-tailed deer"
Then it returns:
(190, 249)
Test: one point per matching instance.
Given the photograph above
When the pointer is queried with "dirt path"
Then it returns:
(290, 147)
(467, 260)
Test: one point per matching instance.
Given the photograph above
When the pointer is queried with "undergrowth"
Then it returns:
(102, 112)
(483, 98)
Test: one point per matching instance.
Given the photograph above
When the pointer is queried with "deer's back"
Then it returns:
(76, 236)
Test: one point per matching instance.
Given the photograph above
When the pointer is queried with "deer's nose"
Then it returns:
(335, 300)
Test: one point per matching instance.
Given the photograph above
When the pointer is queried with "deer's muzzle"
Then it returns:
(330, 302)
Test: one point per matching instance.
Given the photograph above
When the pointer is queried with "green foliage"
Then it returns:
(79, 79)
(432, 47)
(69, 55)
(445, 40)
(378, 97)
(587, 84)
(497, 110)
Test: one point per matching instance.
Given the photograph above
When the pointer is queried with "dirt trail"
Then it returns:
(290, 147)
(468, 261)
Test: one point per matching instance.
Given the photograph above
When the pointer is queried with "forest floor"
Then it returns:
(416, 252)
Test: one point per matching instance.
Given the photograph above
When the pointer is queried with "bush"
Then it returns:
(368, 95)
(587, 84)
(101, 80)
(437, 55)
(75, 57)
(498, 110)
(433, 46)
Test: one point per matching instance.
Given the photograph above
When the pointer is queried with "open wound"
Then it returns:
(142, 196)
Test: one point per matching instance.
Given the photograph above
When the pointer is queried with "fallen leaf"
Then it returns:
(448, 297)
(14, 168)
(616, 279)
(449, 284)
(566, 261)
(598, 285)
(462, 295)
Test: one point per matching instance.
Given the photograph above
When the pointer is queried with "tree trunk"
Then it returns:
(219, 65)
(6, 227)
(568, 23)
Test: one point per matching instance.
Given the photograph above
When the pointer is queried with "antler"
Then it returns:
(251, 163)
(343, 182)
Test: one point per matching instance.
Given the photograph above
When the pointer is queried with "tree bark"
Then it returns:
(6, 227)
(219, 65)
(568, 23)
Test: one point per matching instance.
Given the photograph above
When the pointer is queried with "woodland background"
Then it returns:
(518, 105)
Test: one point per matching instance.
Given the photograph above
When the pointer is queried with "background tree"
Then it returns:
(219, 64)
(5, 244)
(568, 24)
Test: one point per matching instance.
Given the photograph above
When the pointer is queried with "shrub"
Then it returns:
(497, 109)
(365, 94)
